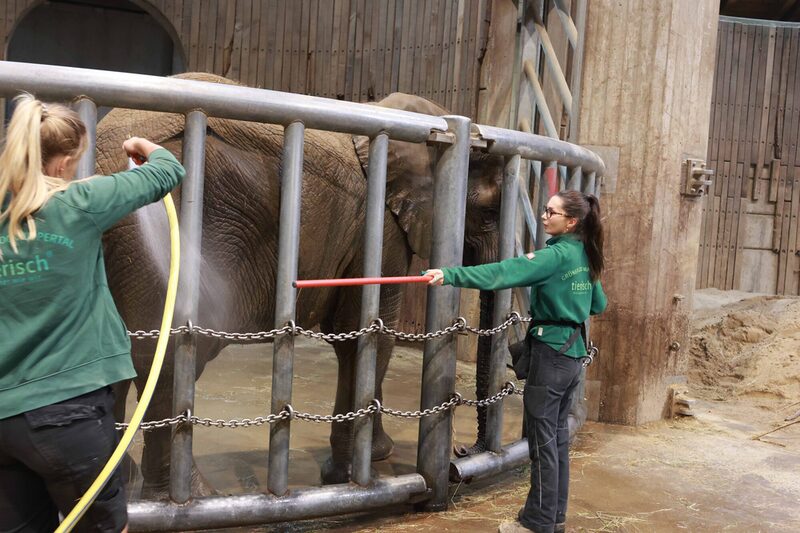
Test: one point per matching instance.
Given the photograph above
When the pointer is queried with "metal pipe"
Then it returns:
(288, 251)
(541, 101)
(254, 509)
(575, 182)
(88, 113)
(566, 22)
(552, 62)
(194, 155)
(502, 304)
(548, 186)
(589, 185)
(350, 282)
(537, 147)
(370, 304)
(439, 356)
(486, 464)
(174, 95)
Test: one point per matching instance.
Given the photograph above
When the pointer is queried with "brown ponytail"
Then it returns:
(586, 209)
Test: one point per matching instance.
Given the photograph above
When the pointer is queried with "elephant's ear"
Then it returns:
(411, 200)
(409, 188)
(409, 174)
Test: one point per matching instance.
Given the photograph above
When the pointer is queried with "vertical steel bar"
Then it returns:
(283, 351)
(590, 185)
(575, 179)
(502, 305)
(88, 113)
(439, 356)
(548, 186)
(370, 304)
(191, 220)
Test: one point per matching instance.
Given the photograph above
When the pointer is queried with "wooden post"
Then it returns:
(648, 93)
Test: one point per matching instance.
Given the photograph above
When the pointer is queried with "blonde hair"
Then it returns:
(37, 133)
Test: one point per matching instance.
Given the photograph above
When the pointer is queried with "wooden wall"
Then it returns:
(356, 50)
(749, 237)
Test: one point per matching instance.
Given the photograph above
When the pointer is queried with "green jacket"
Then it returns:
(561, 288)
(60, 333)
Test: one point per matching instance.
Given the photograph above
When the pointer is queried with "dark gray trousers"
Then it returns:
(551, 379)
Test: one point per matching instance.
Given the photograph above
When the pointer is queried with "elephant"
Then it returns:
(240, 242)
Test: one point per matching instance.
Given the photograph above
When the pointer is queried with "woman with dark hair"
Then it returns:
(62, 342)
(564, 278)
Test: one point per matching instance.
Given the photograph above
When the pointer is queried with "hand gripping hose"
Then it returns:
(155, 370)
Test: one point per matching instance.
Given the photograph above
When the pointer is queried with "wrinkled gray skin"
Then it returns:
(240, 243)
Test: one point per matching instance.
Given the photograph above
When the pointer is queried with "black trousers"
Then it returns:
(551, 379)
(50, 456)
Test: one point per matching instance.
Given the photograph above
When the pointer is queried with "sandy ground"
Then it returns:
(702, 473)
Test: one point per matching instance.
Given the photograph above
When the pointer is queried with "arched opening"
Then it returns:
(115, 35)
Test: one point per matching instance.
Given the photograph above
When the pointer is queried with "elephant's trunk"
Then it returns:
(482, 373)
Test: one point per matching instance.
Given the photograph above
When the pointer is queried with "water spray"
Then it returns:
(126, 440)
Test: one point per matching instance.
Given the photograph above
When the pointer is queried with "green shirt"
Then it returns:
(60, 333)
(561, 289)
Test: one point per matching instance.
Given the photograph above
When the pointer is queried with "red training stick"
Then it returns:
(347, 282)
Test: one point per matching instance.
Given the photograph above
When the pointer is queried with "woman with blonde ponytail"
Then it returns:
(62, 342)
(564, 278)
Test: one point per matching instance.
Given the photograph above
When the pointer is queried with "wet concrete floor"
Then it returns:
(700, 474)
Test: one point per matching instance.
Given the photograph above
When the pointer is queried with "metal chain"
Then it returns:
(289, 413)
(460, 325)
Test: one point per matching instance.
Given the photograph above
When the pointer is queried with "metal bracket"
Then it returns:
(696, 177)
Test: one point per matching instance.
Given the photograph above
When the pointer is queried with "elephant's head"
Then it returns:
(409, 188)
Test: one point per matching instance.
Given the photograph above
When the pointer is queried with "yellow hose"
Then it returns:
(163, 338)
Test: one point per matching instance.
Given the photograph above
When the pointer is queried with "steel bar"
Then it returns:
(502, 304)
(566, 22)
(285, 298)
(576, 74)
(541, 101)
(439, 356)
(551, 60)
(155, 93)
(350, 282)
(538, 147)
(370, 304)
(548, 186)
(575, 182)
(191, 221)
(486, 464)
(88, 113)
(254, 509)
(527, 208)
(590, 184)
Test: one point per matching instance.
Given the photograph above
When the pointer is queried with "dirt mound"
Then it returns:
(745, 345)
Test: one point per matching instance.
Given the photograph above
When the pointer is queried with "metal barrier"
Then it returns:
(199, 100)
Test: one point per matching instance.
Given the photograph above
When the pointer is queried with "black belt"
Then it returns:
(579, 329)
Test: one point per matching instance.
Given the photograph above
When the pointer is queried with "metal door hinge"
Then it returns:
(696, 177)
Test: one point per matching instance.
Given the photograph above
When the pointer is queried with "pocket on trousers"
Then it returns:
(520, 358)
(535, 400)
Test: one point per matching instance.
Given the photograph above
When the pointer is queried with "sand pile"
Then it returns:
(745, 345)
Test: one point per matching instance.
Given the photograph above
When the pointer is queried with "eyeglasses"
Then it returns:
(549, 212)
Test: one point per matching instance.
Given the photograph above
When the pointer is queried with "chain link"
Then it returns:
(459, 326)
(289, 413)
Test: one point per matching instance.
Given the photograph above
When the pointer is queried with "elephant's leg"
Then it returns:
(128, 467)
(337, 469)
(382, 443)
(481, 374)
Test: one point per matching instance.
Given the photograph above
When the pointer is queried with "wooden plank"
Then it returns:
(380, 30)
(458, 58)
(417, 44)
(365, 77)
(765, 111)
(715, 214)
(720, 84)
(473, 45)
(286, 45)
(777, 97)
(323, 56)
(253, 46)
(744, 84)
(762, 53)
(397, 46)
(202, 36)
(217, 63)
(271, 56)
(440, 92)
(723, 235)
(469, 23)
(432, 51)
(352, 29)
(783, 249)
(194, 36)
(265, 19)
(297, 62)
(344, 48)
(791, 283)
(407, 49)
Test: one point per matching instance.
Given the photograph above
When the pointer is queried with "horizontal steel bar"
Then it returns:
(540, 148)
(486, 464)
(253, 509)
(155, 93)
